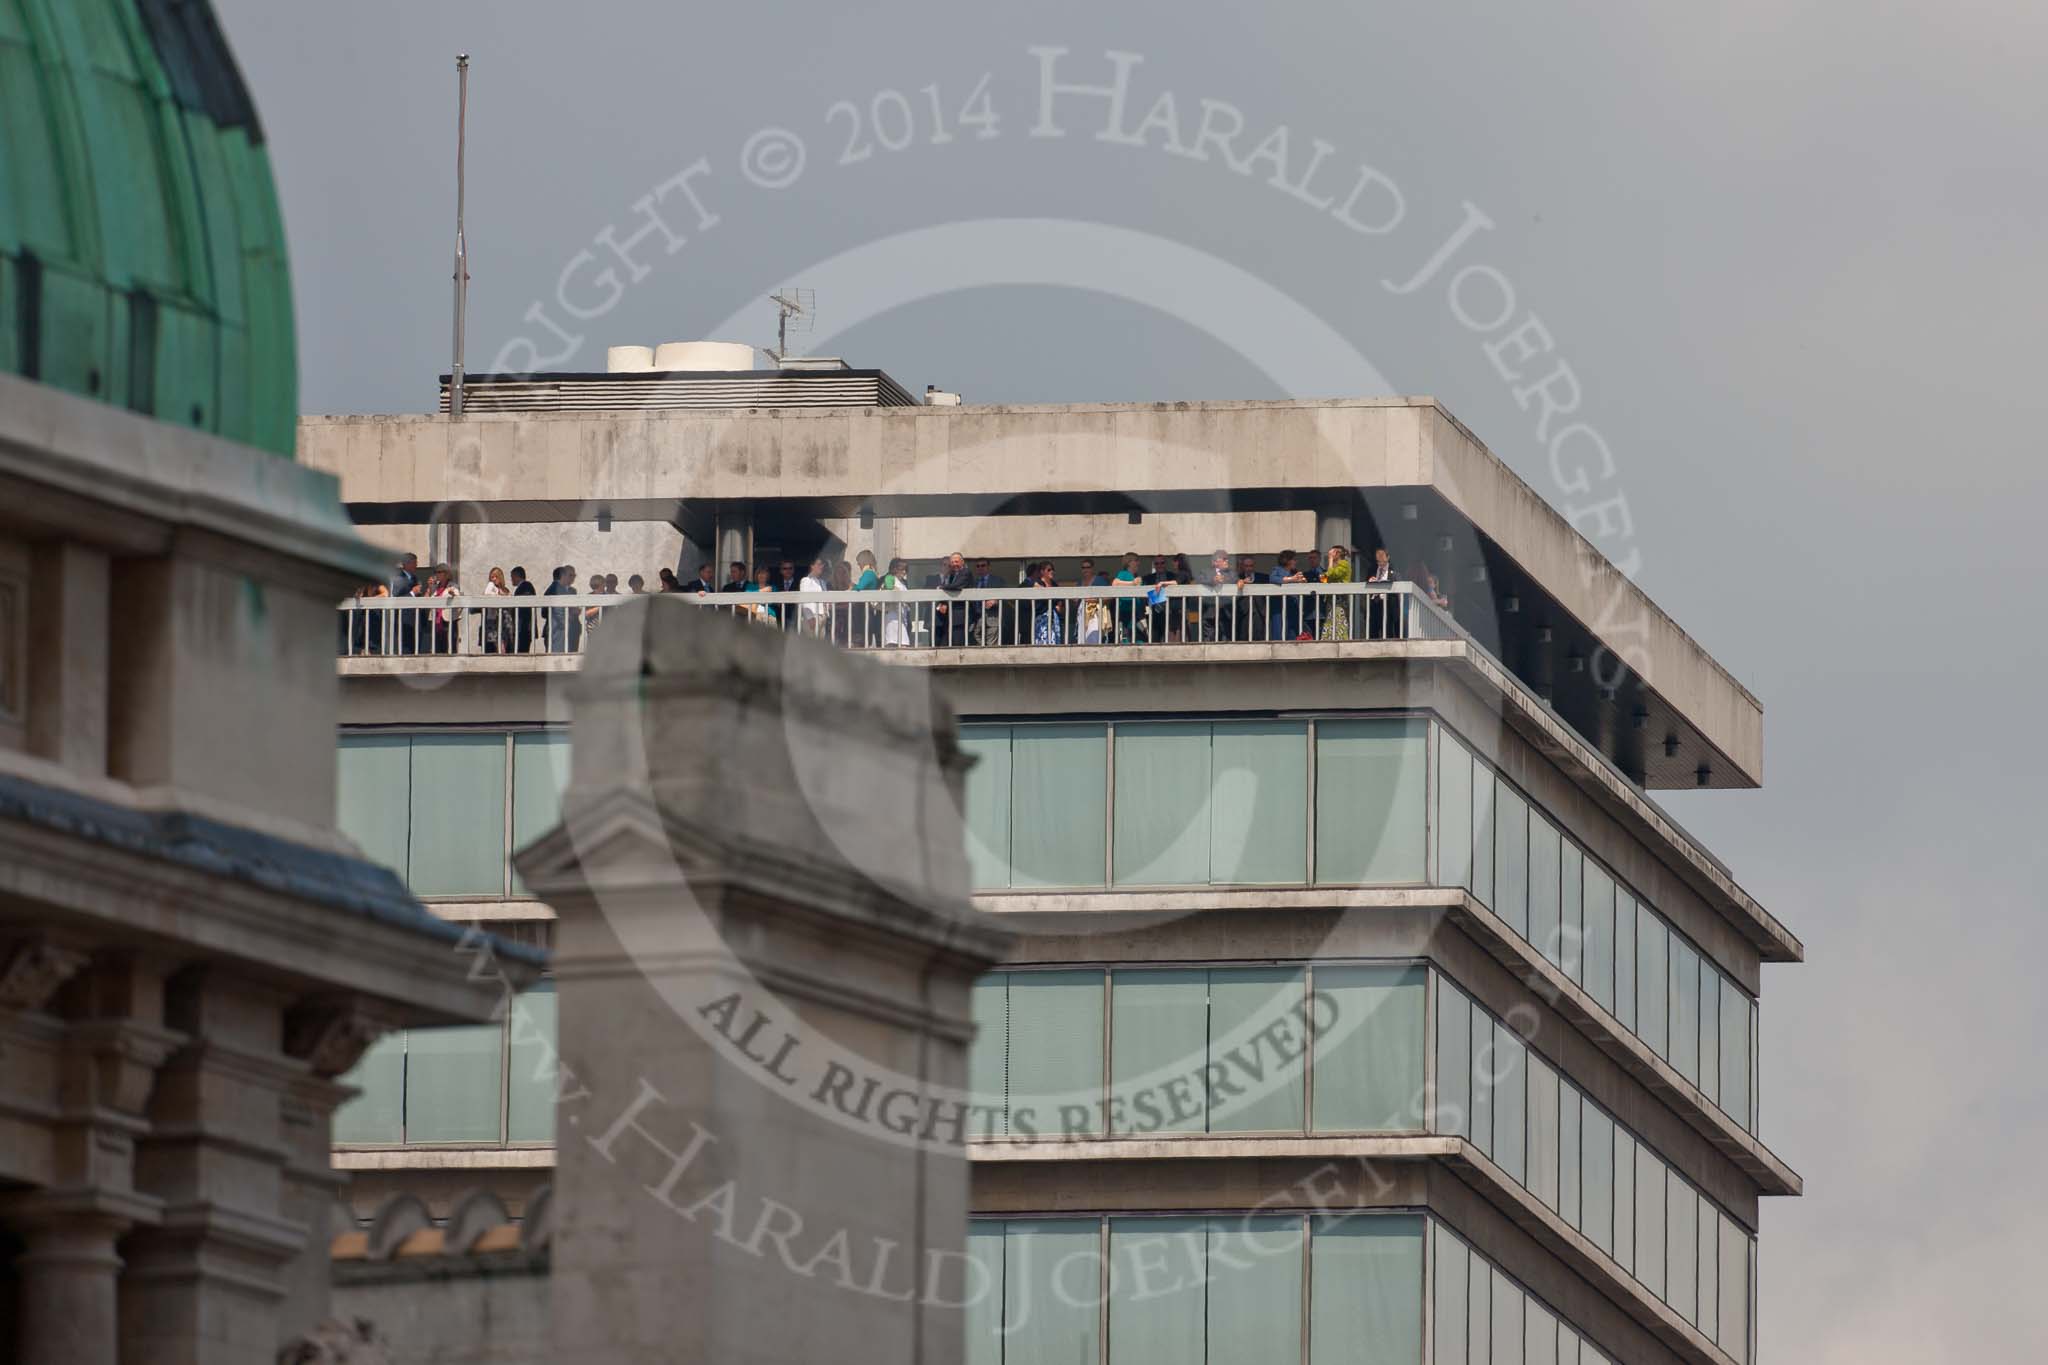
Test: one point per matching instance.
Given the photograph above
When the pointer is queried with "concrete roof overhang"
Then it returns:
(1380, 456)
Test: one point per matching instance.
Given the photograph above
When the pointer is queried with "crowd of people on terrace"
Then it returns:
(958, 618)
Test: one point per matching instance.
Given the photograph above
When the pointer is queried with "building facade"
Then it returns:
(1365, 1002)
(190, 954)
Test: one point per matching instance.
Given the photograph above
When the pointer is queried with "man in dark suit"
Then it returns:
(704, 583)
(735, 577)
(565, 624)
(786, 579)
(521, 634)
(984, 616)
(1219, 617)
(405, 583)
(1163, 575)
(949, 619)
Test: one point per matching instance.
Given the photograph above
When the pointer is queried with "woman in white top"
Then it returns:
(812, 615)
(493, 631)
(442, 584)
(896, 620)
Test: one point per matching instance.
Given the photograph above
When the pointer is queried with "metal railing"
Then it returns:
(917, 618)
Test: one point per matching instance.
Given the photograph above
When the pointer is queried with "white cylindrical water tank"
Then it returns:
(704, 355)
(628, 359)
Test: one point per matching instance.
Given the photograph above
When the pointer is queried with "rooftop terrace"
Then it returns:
(1531, 591)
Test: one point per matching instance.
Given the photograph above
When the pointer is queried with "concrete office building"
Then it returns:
(1364, 1000)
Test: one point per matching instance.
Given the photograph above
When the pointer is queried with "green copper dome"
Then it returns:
(141, 251)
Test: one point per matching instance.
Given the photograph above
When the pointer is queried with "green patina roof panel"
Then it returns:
(142, 256)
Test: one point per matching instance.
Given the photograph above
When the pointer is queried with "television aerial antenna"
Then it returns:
(796, 311)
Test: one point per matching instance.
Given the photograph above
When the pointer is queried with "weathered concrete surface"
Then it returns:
(761, 839)
(950, 462)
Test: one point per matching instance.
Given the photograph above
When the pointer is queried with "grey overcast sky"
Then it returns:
(1791, 251)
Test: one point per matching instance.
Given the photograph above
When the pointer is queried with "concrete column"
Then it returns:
(735, 536)
(310, 1192)
(208, 1286)
(67, 657)
(763, 913)
(66, 1293)
(329, 1036)
(693, 553)
(1333, 526)
(93, 1092)
(887, 540)
(446, 548)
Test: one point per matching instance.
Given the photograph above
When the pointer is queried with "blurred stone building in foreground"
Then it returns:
(190, 955)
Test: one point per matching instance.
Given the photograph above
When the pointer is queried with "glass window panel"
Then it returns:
(1653, 976)
(1162, 805)
(1055, 1058)
(1732, 1331)
(1482, 833)
(1735, 1052)
(1570, 1351)
(1650, 1204)
(1156, 1299)
(1453, 1273)
(1366, 1290)
(374, 795)
(451, 1084)
(988, 1056)
(1256, 1034)
(1708, 1259)
(377, 1113)
(540, 774)
(1598, 915)
(982, 1288)
(1254, 1290)
(1159, 1047)
(1508, 1321)
(1057, 817)
(1510, 1102)
(1682, 1234)
(1546, 851)
(1571, 1107)
(1479, 1311)
(1511, 858)
(1052, 1272)
(1368, 1054)
(1258, 817)
(1571, 933)
(458, 815)
(1624, 1200)
(1372, 795)
(1756, 1069)
(1543, 1131)
(1453, 1061)
(987, 798)
(1539, 1335)
(1454, 812)
(1685, 1010)
(1482, 1080)
(530, 1071)
(1710, 1033)
(1625, 959)
(1596, 1177)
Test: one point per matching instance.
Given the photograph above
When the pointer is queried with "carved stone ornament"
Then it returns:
(337, 1343)
(331, 1038)
(35, 969)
